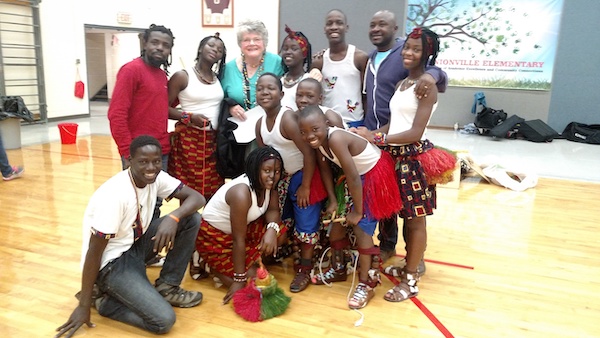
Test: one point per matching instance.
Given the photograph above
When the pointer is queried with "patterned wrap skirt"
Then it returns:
(193, 159)
(417, 188)
(216, 247)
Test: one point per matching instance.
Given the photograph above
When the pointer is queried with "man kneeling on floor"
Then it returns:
(120, 236)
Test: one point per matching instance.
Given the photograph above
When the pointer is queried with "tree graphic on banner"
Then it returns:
(492, 43)
(480, 31)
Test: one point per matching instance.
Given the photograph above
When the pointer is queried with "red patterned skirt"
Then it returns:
(216, 247)
(419, 167)
(193, 159)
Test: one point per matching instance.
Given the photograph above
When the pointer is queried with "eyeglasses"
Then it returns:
(248, 41)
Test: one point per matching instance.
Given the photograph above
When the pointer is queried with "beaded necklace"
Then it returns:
(203, 79)
(290, 83)
(246, 86)
(138, 225)
(408, 82)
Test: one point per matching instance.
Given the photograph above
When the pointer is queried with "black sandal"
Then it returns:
(198, 268)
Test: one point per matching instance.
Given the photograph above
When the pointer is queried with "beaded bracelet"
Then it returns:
(240, 277)
(379, 138)
(273, 226)
(186, 117)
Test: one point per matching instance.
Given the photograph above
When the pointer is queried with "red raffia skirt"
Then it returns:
(438, 163)
(193, 159)
(381, 196)
(216, 247)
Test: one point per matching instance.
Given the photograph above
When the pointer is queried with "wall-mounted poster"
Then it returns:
(497, 43)
(217, 13)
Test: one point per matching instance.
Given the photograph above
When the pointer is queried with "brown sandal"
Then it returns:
(365, 290)
(362, 295)
(330, 276)
(301, 280)
(407, 288)
(396, 271)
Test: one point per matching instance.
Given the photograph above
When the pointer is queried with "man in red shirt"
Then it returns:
(140, 100)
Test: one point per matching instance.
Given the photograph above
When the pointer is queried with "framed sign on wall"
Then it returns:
(217, 13)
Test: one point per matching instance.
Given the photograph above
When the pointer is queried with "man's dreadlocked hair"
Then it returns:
(220, 65)
(162, 29)
(431, 44)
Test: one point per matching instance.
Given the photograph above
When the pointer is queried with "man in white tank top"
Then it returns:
(343, 67)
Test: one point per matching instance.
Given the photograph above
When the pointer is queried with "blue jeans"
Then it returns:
(165, 165)
(131, 297)
(4, 165)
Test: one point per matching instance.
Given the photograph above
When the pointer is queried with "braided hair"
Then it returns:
(255, 160)
(219, 67)
(161, 29)
(431, 44)
(305, 46)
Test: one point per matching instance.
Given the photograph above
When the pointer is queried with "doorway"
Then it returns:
(106, 50)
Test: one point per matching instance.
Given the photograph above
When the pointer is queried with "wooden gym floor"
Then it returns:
(499, 263)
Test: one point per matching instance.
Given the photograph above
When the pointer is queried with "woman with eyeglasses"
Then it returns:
(239, 86)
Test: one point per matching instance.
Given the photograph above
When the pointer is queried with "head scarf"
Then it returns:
(302, 41)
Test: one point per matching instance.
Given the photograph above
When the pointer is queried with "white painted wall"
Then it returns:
(63, 37)
(96, 63)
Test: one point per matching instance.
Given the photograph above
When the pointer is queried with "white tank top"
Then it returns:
(201, 98)
(292, 157)
(403, 109)
(342, 86)
(365, 161)
(217, 211)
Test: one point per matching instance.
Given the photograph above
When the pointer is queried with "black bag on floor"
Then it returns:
(537, 131)
(488, 118)
(507, 128)
(14, 107)
(584, 133)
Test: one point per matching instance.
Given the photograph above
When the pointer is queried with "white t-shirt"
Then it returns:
(218, 213)
(112, 211)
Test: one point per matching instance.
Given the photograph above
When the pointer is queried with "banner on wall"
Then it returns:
(497, 44)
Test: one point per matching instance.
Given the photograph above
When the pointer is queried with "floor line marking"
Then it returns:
(425, 311)
(444, 263)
